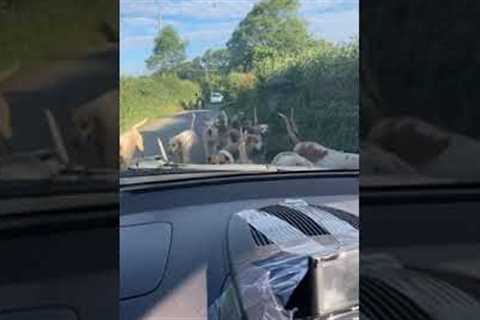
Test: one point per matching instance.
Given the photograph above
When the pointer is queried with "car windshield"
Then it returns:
(243, 85)
(50, 91)
(418, 120)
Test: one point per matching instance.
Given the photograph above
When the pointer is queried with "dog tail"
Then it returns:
(192, 125)
(290, 130)
(226, 117)
(141, 123)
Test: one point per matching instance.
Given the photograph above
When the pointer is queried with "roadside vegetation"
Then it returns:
(153, 97)
(29, 30)
(271, 63)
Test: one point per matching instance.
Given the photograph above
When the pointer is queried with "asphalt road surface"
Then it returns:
(169, 127)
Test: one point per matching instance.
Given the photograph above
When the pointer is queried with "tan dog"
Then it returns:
(318, 154)
(5, 117)
(181, 145)
(96, 128)
(211, 139)
(5, 126)
(215, 134)
(131, 141)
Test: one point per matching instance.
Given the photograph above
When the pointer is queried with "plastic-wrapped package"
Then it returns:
(295, 276)
(264, 288)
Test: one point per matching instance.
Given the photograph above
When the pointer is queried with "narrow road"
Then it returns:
(169, 127)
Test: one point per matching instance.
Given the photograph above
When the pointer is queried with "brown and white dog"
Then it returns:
(181, 145)
(221, 157)
(131, 141)
(430, 150)
(375, 160)
(318, 154)
(215, 135)
(236, 150)
(290, 159)
(96, 128)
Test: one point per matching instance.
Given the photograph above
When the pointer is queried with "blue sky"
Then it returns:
(209, 24)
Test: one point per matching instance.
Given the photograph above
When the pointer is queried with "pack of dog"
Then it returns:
(238, 141)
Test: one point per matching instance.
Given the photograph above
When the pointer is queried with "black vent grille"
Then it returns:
(293, 217)
(379, 301)
(342, 215)
(259, 238)
(297, 219)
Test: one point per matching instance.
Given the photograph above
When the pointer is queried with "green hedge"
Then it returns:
(153, 97)
(321, 85)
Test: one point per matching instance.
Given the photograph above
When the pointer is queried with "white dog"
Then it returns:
(431, 151)
(181, 145)
(318, 154)
(290, 159)
(131, 141)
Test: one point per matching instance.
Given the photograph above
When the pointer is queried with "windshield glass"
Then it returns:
(250, 84)
(419, 105)
(58, 99)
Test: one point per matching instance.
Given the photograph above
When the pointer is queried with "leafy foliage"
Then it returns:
(169, 50)
(272, 25)
(30, 30)
(153, 97)
(321, 85)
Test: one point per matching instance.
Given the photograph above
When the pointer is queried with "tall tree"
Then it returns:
(272, 24)
(169, 50)
(216, 60)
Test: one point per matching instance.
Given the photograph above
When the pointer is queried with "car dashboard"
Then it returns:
(181, 246)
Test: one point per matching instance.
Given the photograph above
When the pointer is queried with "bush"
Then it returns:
(321, 85)
(154, 97)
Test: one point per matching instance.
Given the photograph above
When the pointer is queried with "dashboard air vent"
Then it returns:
(259, 238)
(340, 214)
(297, 219)
(379, 301)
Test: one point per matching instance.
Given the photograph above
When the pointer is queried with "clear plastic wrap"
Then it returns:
(264, 285)
(264, 288)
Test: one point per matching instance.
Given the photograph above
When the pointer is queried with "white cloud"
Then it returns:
(136, 42)
(335, 26)
(197, 9)
(139, 22)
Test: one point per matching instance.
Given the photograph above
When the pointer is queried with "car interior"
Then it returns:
(200, 238)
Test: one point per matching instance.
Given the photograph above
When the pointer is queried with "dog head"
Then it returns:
(413, 140)
(221, 121)
(174, 145)
(85, 126)
(253, 142)
(222, 157)
(311, 151)
(211, 131)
